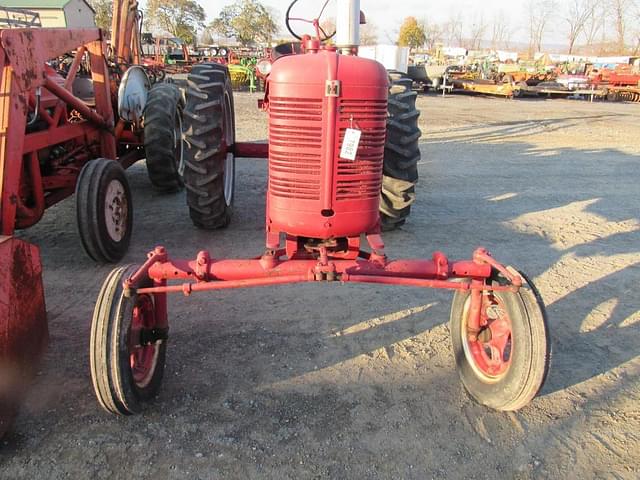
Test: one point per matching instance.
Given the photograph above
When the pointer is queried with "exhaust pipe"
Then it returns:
(348, 26)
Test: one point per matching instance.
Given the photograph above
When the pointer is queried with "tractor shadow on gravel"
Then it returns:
(577, 237)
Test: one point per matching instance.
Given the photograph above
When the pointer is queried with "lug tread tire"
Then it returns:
(90, 191)
(162, 116)
(528, 370)
(108, 351)
(401, 155)
(205, 150)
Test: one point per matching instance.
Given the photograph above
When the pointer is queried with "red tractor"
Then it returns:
(74, 116)
(331, 116)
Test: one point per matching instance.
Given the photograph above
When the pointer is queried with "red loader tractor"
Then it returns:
(329, 116)
(73, 118)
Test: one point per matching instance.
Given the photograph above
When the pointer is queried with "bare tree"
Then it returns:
(596, 25)
(433, 34)
(619, 10)
(499, 31)
(577, 15)
(540, 14)
(452, 29)
(476, 31)
(368, 33)
(636, 48)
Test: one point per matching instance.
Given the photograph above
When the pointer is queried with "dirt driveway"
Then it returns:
(317, 381)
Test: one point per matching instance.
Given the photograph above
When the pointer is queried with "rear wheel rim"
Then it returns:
(178, 148)
(490, 352)
(116, 210)
(228, 178)
(142, 358)
(229, 161)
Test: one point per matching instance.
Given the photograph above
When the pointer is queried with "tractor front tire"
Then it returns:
(163, 137)
(104, 210)
(401, 153)
(126, 370)
(505, 364)
(209, 134)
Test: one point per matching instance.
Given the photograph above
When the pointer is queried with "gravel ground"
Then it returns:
(317, 381)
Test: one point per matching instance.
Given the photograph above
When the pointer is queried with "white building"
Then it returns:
(58, 13)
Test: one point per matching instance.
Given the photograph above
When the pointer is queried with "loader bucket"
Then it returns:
(23, 323)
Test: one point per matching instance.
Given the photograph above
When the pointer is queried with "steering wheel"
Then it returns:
(315, 22)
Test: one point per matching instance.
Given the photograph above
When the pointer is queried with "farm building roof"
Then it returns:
(37, 4)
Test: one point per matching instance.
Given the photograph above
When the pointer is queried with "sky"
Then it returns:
(388, 15)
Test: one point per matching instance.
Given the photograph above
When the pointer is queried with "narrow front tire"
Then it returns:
(505, 364)
(127, 350)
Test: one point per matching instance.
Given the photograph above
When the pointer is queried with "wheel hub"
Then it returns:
(116, 210)
(489, 351)
(143, 354)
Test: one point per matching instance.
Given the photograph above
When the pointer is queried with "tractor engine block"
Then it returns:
(313, 99)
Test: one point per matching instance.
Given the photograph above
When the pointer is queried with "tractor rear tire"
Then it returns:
(104, 210)
(209, 134)
(506, 364)
(125, 371)
(163, 137)
(401, 153)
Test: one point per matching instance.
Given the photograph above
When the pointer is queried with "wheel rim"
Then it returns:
(142, 358)
(178, 147)
(228, 178)
(491, 351)
(116, 210)
(229, 161)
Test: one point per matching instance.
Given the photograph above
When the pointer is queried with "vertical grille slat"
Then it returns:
(295, 147)
(361, 179)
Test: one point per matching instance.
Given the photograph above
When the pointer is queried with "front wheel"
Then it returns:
(505, 364)
(104, 210)
(127, 350)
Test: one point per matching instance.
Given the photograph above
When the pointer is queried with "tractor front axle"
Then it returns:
(205, 273)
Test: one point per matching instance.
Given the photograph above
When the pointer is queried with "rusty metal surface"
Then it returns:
(23, 323)
(23, 59)
(27, 50)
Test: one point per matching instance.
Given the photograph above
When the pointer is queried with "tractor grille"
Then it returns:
(361, 179)
(295, 147)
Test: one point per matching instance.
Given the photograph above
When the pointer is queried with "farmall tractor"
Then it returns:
(73, 116)
(329, 118)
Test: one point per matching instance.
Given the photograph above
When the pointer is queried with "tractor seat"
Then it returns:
(292, 48)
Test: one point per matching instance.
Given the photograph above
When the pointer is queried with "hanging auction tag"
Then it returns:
(350, 144)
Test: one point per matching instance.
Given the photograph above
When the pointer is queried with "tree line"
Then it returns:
(596, 26)
(593, 25)
(249, 21)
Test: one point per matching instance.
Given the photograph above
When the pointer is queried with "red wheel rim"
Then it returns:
(142, 358)
(490, 351)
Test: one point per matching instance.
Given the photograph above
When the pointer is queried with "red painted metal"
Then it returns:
(142, 358)
(67, 97)
(312, 191)
(624, 79)
(205, 273)
(23, 324)
(65, 133)
(490, 349)
(23, 55)
(270, 267)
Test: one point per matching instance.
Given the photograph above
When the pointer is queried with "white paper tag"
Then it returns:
(350, 144)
